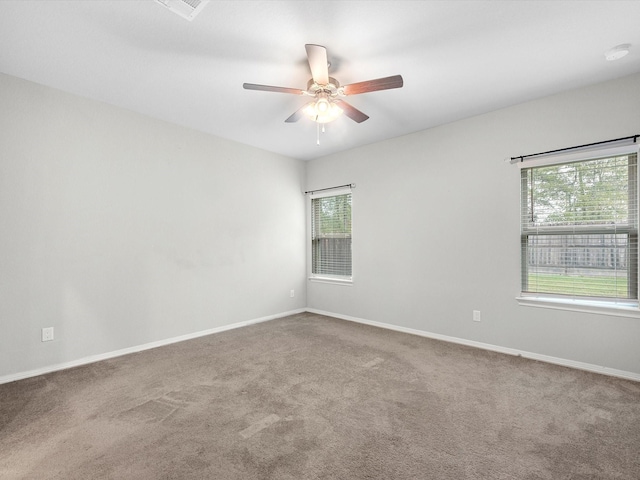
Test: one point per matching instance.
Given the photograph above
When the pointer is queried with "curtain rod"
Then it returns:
(350, 185)
(522, 157)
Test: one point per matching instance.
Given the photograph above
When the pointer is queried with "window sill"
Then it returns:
(335, 281)
(586, 306)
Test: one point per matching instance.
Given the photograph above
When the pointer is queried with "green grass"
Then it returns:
(596, 286)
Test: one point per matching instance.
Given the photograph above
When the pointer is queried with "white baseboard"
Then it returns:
(140, 348)
(486, 346)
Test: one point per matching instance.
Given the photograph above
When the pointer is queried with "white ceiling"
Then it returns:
(457, 58)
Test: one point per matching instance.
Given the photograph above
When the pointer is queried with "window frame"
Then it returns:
(611, 306)
(327, 278)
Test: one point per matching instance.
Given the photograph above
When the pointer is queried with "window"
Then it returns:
(331, 236)
(579, 228)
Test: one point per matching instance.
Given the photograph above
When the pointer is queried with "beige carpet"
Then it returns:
(310, 397)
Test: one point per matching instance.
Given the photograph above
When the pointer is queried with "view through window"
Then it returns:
(579, 234)
(331, 236)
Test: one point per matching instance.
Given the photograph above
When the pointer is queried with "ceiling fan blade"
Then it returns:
(269, 88)
(373, 85)
(352, 112)
(297, 115)
(318, 63)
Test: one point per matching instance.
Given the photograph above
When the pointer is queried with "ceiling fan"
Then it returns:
(327, 103)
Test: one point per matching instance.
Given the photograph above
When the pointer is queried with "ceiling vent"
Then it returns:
(185, 8)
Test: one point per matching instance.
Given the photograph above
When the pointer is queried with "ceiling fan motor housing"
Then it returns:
(332, 88)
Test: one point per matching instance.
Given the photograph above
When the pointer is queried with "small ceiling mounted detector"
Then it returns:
(617, 52)
(326, 92)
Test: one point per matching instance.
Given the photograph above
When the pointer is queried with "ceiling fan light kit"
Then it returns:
(327, 104)
(323, 110)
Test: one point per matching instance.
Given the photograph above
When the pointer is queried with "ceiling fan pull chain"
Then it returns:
(318, 134)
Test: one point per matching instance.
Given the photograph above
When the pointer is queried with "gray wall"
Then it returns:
(119, 230)
(436, 228)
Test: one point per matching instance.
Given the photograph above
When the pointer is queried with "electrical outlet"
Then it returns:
(47, 334)
(476, 316)
(292, 293)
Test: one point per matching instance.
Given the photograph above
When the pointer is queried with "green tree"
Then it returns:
(581, 193)
(333, 215)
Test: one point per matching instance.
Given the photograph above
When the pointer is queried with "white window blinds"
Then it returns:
(579, 234)
(331, 236)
